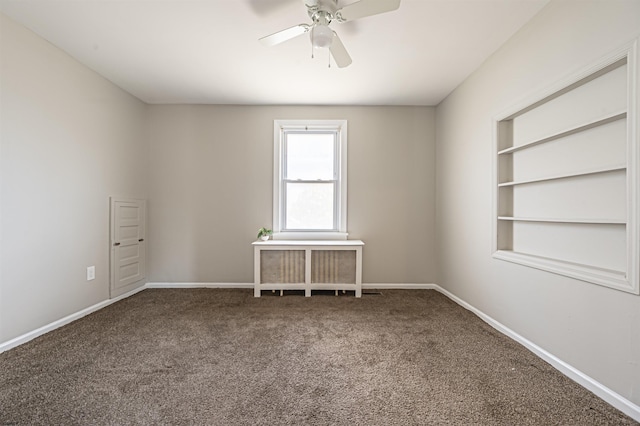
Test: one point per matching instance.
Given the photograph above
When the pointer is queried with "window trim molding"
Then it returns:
(279, 126)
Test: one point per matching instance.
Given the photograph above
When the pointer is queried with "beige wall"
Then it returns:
(211, 189)
(69, 139)
(593, 328)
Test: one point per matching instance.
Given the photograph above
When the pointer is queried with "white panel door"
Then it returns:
(128, 254)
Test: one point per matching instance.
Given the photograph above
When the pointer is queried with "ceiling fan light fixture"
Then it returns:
(321, 36)
(322, 13)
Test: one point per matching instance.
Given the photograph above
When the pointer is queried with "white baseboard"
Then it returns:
(398, 286)
(365, 286)
(199, 285)
(629, 408)
(611, 397)
(17, 341)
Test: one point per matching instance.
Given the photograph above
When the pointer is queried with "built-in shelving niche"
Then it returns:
(566, 179)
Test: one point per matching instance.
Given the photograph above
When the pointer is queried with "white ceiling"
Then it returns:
(207, 51)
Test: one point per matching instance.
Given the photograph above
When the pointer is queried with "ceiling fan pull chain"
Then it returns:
(329, 55)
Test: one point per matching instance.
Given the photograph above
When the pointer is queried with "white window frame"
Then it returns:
(279, 129)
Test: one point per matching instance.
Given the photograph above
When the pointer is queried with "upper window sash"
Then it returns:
(336, 151)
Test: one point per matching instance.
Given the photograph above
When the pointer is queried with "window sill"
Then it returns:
(310, 236)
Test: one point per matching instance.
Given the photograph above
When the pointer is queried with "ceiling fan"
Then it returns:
(322, 12)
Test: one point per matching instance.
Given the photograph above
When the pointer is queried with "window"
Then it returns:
(310, 179)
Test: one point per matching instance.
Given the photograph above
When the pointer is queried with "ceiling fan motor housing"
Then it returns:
(322, 11)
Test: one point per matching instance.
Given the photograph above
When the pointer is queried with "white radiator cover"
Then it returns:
(308, 265)
(333, 266)
(282, 266)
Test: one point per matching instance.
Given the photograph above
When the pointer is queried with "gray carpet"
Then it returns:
(221, 357)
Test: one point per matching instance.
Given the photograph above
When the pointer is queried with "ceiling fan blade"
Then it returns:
(339, 53)
(363, 8)
(284, 35)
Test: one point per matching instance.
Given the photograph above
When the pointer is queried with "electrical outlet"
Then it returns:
(91, 273)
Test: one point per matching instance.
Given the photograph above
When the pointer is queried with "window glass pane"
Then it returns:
(309, 156)
(309, 206)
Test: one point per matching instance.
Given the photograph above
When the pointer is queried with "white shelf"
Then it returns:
(590, 268)
(586, 126)
(570, 206)
(610, 278)
(566, 176)
(564, 220)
